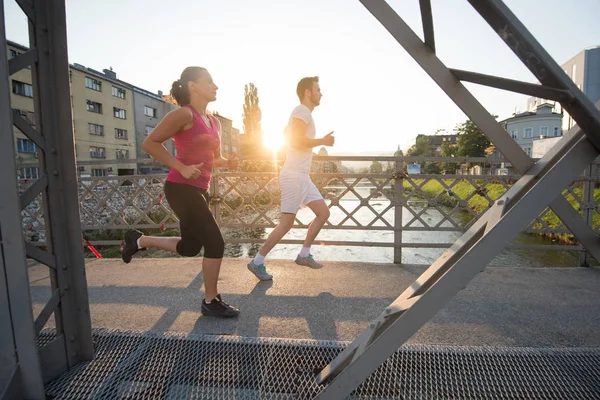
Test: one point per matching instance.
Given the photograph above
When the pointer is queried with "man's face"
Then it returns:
(315, 94)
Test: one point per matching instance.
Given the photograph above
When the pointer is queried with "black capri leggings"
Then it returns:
(198, 227)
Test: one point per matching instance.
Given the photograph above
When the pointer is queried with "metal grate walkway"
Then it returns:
(144, 365)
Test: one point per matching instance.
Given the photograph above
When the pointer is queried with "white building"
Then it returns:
(542, 146)
(525, 127)
(584, 70)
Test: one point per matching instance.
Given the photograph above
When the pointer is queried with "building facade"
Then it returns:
(526, 127)
(230, 136)
(111, 119)
(103, 122)
(584, 70)
(149, 109)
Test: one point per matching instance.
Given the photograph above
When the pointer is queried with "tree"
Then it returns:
(376, 167)
(252, 114)
(449, 150)
(471, 140)
(421, 148)
(251, 142)
(167, 98)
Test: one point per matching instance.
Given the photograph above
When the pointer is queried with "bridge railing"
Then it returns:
(375, 195)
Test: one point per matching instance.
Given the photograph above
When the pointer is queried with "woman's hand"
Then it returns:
(191, 171)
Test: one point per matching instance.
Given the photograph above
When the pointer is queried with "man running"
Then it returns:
(297, 189)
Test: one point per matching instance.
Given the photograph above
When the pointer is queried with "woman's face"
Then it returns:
(204, 87)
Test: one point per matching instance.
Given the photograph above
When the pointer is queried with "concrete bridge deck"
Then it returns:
(503, 306)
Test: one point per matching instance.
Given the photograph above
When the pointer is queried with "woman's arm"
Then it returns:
(173, 122)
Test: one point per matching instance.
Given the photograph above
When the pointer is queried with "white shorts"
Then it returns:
(297, 190)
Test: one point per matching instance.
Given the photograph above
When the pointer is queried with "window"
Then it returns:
(118, 92)
(97, 130)
(544, 131)
(99, 172)
(97, 152)
(22, 89)
(233, 149)
(92, 106)
(149, 130)
(29, 173)
(27, 116)
(150, 112)
(528, 132)
(121, 154)
(93, 84)
(527, 150)
(121, 133)
(119, 113)
(26, 146)
(514, 133)
(14, 53)
(556, 131)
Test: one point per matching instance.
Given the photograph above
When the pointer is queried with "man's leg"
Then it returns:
(285, 224)
(257, 265)
(321, 215)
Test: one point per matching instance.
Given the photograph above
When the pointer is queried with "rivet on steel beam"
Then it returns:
(53, 151)
(65, 266)
(72, 338)
(55, 173)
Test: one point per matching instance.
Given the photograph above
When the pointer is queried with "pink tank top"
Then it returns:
(194, 146)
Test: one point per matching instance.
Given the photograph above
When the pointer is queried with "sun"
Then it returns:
(273, 141)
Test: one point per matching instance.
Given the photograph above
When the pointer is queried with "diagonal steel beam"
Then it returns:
(456, 267)
(539, 62)
(490, 234)
(451, 85)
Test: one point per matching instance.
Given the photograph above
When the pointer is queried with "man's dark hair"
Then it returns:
(304, 84)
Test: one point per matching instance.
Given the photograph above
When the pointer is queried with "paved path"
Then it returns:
(503, 306)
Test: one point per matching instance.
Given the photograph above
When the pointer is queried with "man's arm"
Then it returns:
(300, 141)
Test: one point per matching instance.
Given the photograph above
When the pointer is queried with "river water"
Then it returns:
(534, 258)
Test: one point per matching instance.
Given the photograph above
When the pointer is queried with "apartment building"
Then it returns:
(103, 122)
(111, 119)
(230, 137)
(149, 109)
(584, 69)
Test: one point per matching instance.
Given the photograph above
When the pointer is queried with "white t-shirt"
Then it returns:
(299, 160)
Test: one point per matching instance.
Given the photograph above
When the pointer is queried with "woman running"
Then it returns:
(198, 145)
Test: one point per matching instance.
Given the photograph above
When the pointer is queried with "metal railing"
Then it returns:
(386, 198)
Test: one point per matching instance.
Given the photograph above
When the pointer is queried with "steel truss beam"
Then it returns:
(17, 334)
(540, 184)
(57, 185)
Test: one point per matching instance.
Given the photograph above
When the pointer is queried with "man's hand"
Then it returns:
(329, 139)
(233, 161)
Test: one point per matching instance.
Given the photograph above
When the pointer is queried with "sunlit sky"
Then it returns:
(375, 95)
